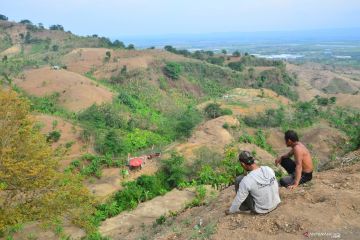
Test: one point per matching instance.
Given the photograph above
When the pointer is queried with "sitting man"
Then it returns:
(300, 170)
(258, 191)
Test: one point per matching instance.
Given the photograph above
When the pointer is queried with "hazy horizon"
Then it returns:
(137, 18)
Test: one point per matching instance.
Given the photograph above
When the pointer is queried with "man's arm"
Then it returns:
(298, 169)
(287, 155)
(241, 195)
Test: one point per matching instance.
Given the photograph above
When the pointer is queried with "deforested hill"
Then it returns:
(108, 87)
(75, 109)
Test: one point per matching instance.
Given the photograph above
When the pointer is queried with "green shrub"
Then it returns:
(53, 136)
(111, 143)
(259, 140)
(237, 66)
(226, 111)
(213, 110)
(161, 220)
(174, 170)
(216, 60)
(187, 121)
(103, 116)
(48, 105)
(172, 70)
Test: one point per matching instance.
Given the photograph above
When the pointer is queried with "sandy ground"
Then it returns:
(76, 92)
(146, 213)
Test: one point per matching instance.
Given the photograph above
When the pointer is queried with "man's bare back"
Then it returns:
(302, 155)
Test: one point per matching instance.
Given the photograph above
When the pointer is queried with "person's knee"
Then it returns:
(282, 182)
(286, 181)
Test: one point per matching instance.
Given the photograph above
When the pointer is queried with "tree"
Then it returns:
(55, 48)
(170, 48)
(131, 46)
(172, 70)
(236, 54)
(224, 51)
(31, 187)
(27, 38)
(56, 27)
(41, 26)
(187, 122)
(3, 17)
(118, 44)
(237, 66)
(26, 21)
(213, 110)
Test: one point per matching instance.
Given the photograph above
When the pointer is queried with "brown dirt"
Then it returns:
(83, 60)
(329, 204)
(76, 92)
(347, 100)
(211, 134)
(111, 179)
(69, 133)
(146, 213)
(249, 101)
(37, 232)
(312, 78)
(14, 30)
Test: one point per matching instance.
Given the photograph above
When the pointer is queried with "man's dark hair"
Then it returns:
(291, 135)
(246, 158)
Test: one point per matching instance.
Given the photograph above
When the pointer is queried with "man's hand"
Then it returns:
(227, 212)
(278, 160)
(291, 187)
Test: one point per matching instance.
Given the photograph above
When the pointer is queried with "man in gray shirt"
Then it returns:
(258, 191)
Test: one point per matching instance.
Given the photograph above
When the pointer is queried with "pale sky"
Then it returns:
(158, 17)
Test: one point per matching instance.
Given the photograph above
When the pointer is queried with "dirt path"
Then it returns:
(211, 134)
(146, 213)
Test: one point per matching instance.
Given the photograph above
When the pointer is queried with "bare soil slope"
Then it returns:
(249, 101)
(315, 79)
(146, 213)
(70, 134)
(329, 204)
(211, 134)
(82, 60)
(76, 92)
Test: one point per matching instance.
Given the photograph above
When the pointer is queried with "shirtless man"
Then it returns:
(300, 170)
